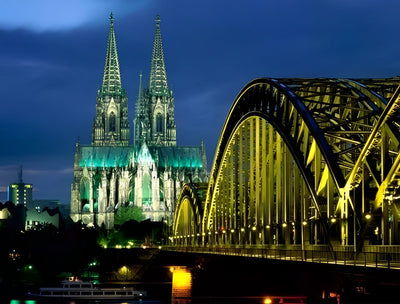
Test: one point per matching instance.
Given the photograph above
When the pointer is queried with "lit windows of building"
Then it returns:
(20, 192)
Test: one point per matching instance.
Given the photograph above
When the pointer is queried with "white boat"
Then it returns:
(87, 290)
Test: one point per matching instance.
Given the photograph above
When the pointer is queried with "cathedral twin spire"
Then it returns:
(154, 120)
(111, 125)
(158, 75)
(112, 76)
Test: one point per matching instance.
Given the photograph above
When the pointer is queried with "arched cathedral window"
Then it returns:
(85, 194)
(159, 123)
(112, 122)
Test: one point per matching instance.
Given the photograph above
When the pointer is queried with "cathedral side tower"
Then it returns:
(111, 125)
(154, 120)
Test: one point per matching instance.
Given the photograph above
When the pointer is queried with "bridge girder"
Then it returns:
(310, 136)
(188, 214)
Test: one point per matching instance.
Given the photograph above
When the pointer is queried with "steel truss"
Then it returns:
(303, 162)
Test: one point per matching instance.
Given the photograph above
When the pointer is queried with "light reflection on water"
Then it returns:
(181, 285)
(180, 293)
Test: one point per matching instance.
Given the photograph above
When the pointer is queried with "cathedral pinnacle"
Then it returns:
(139, 103)
(158, 75)
(112, 77)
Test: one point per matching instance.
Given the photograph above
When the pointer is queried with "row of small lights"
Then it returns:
(254, 228)
(129, 246)
(368, 216)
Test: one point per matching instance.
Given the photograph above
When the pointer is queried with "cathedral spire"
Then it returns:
(112, 77)
(110, 124)
(158, 75)
(154, 120)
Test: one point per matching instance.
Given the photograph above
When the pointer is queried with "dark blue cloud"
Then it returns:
(50, 73)
(50, 15)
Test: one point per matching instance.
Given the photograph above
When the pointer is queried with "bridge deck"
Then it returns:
(386, 260)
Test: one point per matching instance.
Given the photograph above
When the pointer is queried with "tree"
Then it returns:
(127, 213)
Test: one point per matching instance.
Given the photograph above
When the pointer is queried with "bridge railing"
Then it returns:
(344, 256)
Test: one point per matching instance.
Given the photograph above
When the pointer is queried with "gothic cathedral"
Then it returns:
(149, 174)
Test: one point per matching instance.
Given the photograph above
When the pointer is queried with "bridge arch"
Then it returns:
(319, 126)
(188, 215)
(303, 162)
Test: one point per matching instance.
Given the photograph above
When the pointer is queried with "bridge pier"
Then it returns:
(386, 223)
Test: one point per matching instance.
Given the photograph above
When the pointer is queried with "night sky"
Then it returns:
(52, 59)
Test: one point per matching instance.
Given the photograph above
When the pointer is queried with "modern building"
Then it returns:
(47, 216)
(149, 174)
(20, 193)
(41, 204)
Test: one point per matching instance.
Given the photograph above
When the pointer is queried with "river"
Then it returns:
(217, 279)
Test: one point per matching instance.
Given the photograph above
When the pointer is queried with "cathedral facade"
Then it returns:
(149, 174)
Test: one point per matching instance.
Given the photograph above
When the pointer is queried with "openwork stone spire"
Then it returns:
(154, 121)
(112, 77)
(158, 75)
(110, 125)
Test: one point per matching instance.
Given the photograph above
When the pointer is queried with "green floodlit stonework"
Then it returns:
(149, 174)
(178, 157)
(118, 157)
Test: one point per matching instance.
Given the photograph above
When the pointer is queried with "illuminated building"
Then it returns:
(47, 216)
(149, 174)
(20, 193)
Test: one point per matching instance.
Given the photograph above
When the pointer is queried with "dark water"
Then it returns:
(194, 300)
(78, 302)
(227, 280)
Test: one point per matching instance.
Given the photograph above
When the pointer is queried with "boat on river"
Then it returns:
(78, 289)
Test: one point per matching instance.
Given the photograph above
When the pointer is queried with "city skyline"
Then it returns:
(52, 61)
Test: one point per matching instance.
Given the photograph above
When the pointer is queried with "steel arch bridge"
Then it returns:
(302, 162)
